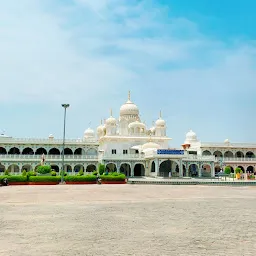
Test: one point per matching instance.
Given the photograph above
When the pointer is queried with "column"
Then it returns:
(181, 169)
(200, 170)
(118, 167)
(157, 167)
(132, 169)
(187, 170)
(212, 170)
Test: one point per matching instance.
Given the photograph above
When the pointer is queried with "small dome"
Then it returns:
(152, 129)
(100, 128)
(129, 108)
(51, 137)
(160, 122)
(226, 141)
(89, 133)
(111, 121)
(191, 137)
(150, 145)
(136, 124)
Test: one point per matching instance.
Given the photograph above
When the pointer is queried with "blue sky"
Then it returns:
(194, 60)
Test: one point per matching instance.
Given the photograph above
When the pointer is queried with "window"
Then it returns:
(125, 151)
(136, 151)
(113, 151)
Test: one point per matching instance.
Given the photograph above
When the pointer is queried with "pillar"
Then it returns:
(180, 169)
(199, 170)
(132, 169)
(157, 167)
(212, 170)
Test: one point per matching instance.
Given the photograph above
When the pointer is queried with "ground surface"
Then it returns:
(127, 220)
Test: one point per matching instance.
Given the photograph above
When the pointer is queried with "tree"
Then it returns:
(44, 169)
(227, 170)
(101, 169)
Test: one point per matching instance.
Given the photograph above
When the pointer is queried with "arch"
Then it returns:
(242, 168)
(125, 168)
(218, 154)
(54, 151)
(27, 167)
(153, 167)
(91, 168)
(232, 169)
(14, 151)
(239, 154)
(67, 168)
(168, 166)
(78, 167)
(13, 168)
(55, 167)
(27, 151)
(206, 153)
(41, 151)
(79, 151)
(111, 167)
(92, 152)
(206, 170)
(139, 170)
(3, 151)
(249, 154)
(250, 169)
(67, 151)
(2, 168)
(193, 170)
(228, 154)
(217, 169)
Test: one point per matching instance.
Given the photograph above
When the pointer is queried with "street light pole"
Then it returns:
(65, 106)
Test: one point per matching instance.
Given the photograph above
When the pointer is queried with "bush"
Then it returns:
(44, 169)
(65, 173)
(101, 168)
(14, 178)
(227, 170)
(119, 177)
(53, 173)
(95, 173)
(81, 178)
(80, 173)
(24, 173)
(44, 178)
(238, 170)
(6, 172)
(31, 173)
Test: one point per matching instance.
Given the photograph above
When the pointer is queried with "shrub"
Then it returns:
(6, 172)
(24, 173)
(31, 173)
(95, 173)
(65, 173)
(81, 178)
(14, 178)
(44, 169)
(101, 168)
(119, 177)
(80, 173)
(115, 174)
(53, 173)
(238, 170)
(227, 170)
(44, 178)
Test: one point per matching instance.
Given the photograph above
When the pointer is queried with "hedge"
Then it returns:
(15, 178)
(120, 177)
(81, 178)
(44, 179)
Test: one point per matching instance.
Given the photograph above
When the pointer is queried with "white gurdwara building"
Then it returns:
(126, 145)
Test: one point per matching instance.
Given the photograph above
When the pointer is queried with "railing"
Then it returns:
(238, 145)
(200, 158)
(47, 157)
(124, 156)
(236, 159)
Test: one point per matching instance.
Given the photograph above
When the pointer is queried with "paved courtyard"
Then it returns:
(127, 220)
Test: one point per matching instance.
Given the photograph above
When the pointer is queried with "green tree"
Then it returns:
(44, 169)
(101, 169)
(227, 170)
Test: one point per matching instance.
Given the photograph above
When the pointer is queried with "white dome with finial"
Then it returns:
(129, 108)
(111, 120)
(100, 128)
(89, 133)
(191, 137)
(160, 122)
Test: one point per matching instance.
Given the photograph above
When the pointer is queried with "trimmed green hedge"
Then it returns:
(15, 178)
(44, 179)
(119, 177)
(81, 178)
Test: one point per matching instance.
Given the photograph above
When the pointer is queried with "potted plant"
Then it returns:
(238, 173)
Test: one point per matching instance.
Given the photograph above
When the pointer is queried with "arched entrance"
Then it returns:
(232, 169)
(79, 152)
(206, 170)
(78, 167)
(153, 167)
(168, 166)
(242, 168)
(2, 168)
(14, 151)
(67, 151)
(125, 169)
(92, 152)
(206, 153)
(27, 151)
(27, 168)
(249, 155)
(55, 168)
(218, 154)
(228, 154)
(67, 168)
(193, 170)
(239, 154)
(139, 170)
(54, 151)
(41, 151)
(14, 168)
(3, 151)
(111, 167)
(91, 168)
(250, 169)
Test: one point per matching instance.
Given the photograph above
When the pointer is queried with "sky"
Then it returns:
(193, 60)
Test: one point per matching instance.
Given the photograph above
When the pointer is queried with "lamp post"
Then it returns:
(65, 106)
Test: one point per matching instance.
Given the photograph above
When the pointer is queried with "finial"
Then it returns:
(160, 114)
(101, 121)
(111, 112)
(129, 95)
(150, 138)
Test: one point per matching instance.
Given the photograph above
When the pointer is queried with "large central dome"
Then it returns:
(129, 108)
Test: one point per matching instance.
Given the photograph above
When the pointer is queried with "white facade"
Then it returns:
(125, 144)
